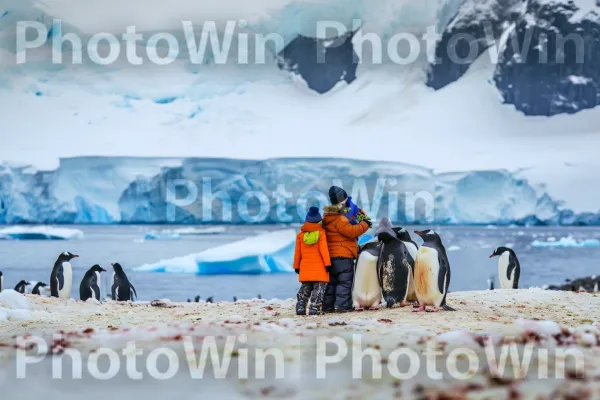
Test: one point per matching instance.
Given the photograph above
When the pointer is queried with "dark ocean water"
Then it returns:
(468, 251)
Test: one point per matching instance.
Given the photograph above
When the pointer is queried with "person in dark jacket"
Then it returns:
(342, 241)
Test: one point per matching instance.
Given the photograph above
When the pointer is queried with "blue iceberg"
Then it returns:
(161, 236)
(365, 239)
(262, 254)
(40, 233)
(566, 242)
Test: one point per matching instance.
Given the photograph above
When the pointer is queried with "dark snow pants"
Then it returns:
(338, 295)
(313, 292)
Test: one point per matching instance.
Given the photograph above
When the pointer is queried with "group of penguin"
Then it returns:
(61, 281)
(394, 270)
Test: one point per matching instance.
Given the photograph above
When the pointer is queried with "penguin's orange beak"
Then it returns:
(492, 255)
(419, 233)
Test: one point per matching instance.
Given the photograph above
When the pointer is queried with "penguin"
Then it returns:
(197, 299)
(89, 286)
(509, 269)
(21, 287)
(393, 265)
(366, 287)
(122, 289)
(210, 300)
(234, 299)
(490, 282)
(595, 289)
(413, 248)
(61, 279)
(36, 288)
(1, 282)
(432, 272)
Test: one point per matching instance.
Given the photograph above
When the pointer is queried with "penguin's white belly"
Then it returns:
(65, 292)
(427, 269)
(505, 283)
(366, 291)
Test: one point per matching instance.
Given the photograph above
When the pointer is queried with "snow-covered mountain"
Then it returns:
(495, 136)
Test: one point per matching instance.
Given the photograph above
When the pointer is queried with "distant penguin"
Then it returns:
(61, 279)
(122, 289)
(411, 246)
(90, 284)
(509, 269)
(395, 271)
(594, 278)
(234, 299)
(21, 286)
(490, 282)
(1, 282)
(36, 289)
(259, 297)
(197, 299)
(209, 300)
(366, 288)
(432, 272)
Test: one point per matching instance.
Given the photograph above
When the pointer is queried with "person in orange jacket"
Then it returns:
(311, 263)
(342, 240)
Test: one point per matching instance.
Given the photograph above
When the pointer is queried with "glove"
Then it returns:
(327, 268)
(297, 271)
(368, 222)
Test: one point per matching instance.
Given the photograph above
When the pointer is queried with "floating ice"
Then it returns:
(568, 241)
(265, 253)
(161, 236)
(453, 248)
(40, 233)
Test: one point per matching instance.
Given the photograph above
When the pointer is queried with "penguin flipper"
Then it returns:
(446, 307)
(60, 277)
(444, 280)
(380, 265)
(134, 292)
(513, 264)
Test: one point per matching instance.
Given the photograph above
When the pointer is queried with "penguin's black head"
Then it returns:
(429, 235)
(23, 283)
(499, 251)
(402, 234)
(41, 284)
(67, 256)
(117, 267)
(97, 268)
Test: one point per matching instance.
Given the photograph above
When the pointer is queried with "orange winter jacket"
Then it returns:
(342, 236)
(311, 255)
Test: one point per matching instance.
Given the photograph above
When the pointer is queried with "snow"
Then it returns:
(41, 233)
(568, 241)
(579, 80)
(264, 253)
(174, 234)
(13, 300)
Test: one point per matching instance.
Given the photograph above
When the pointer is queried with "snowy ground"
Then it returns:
(496, 315)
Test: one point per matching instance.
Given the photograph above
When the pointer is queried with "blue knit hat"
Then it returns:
(313, 215)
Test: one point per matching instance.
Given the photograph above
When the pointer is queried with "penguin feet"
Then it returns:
(403, 304)
(421, 308)
(375, 308)
(416, 305)
(433, 309)
(358, 308)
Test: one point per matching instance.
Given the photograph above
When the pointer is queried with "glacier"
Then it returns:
(275, 191)
(270, 252)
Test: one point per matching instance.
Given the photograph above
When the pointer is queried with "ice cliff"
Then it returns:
(145, 190)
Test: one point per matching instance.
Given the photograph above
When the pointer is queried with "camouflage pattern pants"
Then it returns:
(313, 292)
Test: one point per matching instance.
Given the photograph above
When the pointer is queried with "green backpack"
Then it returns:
(311, 238)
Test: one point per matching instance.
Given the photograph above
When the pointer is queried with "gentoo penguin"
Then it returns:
(509, 268)
(490, 282)
(89, 286)
(411, 246)
(432, 272)
(122, 289)
(1, 282)
(366, 288)
(393, 265)
(36, 288)
(21, 286)
(61, 279)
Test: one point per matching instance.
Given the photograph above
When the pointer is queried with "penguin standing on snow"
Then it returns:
(21, 286)
(432, 272)
(366, 287)
(61, 279)
(509, 269)
(37, 287)
(411, 246)
(89, 287)
(1, 282)
(394, 266)
(122, 289)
